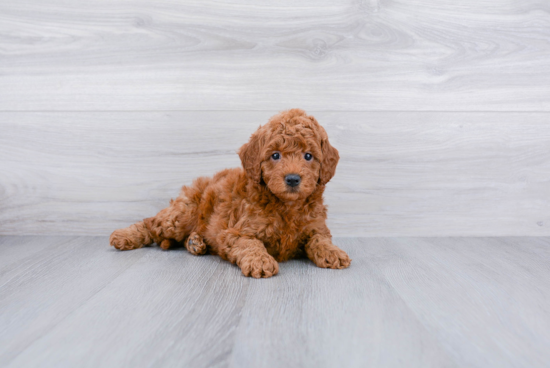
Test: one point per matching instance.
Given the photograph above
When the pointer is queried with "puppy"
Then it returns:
(269, 212)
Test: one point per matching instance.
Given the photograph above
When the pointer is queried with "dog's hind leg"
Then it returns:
(170, 226)
(195, 244)
(131, 237)
(167, 228)
(167, 243)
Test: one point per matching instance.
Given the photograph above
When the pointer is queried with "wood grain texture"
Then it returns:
(422, 302)
(410, 174)
(343, 55)
(474, 285)
(43, 287)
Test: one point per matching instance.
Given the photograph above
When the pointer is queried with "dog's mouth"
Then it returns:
(291, 193)
(292, 189)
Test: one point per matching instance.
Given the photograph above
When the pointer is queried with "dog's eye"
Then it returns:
(276, 156)
(308, 156)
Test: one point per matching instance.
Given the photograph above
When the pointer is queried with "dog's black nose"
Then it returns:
(292, 180)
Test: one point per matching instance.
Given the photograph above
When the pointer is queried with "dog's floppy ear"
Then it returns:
(329, 162)
(251, 157)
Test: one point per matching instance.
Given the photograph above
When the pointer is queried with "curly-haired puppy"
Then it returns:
(269, 212)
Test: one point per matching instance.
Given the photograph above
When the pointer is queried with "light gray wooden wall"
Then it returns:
(440, 108)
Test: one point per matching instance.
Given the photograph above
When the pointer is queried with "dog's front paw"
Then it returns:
(258, 265)
(331, 257)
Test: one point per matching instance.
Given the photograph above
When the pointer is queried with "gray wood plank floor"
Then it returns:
(414, 302)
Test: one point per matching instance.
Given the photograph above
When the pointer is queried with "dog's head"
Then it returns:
(290, 154)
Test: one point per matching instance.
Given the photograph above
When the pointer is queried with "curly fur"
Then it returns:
(251, 217)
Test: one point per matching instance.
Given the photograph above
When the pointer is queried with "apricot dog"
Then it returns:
(269, 212)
